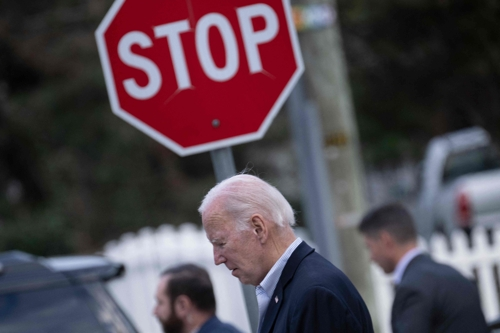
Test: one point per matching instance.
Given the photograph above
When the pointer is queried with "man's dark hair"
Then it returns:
(393, 218)
(194, 282)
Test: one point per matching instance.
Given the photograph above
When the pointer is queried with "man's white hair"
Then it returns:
(244, 195)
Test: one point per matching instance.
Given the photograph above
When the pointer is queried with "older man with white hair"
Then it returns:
(249, 223)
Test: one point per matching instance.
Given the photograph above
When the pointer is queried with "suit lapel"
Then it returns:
(302, 251)
(272, 309)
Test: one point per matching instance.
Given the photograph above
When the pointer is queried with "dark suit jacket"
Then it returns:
(214, 325)
(313, 296)
(433, 297)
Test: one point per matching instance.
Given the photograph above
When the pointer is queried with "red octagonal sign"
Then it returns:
(198, 75)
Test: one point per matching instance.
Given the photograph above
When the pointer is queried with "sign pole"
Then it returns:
(223, 163)
(317, 197)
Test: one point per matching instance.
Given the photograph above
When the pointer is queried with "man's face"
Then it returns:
(164, 309)
(380, 252)
(238, 250)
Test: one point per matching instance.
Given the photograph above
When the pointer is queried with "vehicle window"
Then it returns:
(47, 311)
(107, 311)
(63, 310)
(470, 161)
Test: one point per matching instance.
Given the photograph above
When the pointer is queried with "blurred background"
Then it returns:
(400, 78)
(74, 176)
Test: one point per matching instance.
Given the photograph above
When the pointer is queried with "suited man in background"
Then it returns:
(430, 297)
(185, 302)
(249, 223)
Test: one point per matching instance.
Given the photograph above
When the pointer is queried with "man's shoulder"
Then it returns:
(315, 274)
(424, 268)
(312, 274)
(315, 293)
(320, 285)
(424, 265)
(214, 325)
(316, 268)
(305, 265)
(226, 328)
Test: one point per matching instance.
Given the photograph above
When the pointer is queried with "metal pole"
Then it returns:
(317, 196)
(223, 163)
(326, 77)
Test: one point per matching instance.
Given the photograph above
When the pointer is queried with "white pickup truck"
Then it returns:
(460, 183)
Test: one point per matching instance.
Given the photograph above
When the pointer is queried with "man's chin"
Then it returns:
(172, 326)
(235, 272)
(247, 281)
(388, 270)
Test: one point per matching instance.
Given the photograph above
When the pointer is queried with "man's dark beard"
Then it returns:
(173, 324)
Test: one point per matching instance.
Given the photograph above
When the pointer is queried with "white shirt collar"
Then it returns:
(271, 280)
(403, 263)
(265, 289)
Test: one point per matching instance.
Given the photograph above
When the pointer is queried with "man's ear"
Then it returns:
(259, 227)
(182, 306)
(386, 238)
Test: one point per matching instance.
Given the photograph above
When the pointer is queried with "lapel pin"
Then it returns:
(276, 299)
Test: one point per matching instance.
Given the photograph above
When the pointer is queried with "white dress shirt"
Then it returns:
(265, 289)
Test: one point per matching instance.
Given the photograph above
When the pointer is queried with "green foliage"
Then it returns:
(43, 236)
(421, 68)
(96, 176)
(73, 175)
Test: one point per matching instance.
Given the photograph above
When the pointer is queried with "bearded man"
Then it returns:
(185, 302)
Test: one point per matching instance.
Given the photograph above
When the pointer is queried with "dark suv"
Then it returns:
(59, 295)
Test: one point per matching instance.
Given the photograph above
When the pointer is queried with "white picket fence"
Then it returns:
(479, 263)
(150, 251)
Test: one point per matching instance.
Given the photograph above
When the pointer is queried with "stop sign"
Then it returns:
(197, 75)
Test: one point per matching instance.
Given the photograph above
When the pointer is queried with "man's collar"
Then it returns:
(272, 277)
(302, 251)
(403, 263)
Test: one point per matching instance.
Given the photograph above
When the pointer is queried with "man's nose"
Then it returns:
(218, 257)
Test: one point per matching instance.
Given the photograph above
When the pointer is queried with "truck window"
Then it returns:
(470, 161)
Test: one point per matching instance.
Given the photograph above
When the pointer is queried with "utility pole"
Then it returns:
(327, 85)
